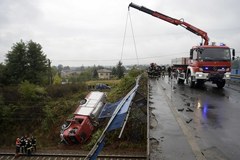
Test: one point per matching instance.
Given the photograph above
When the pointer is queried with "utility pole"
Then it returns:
(49, 72)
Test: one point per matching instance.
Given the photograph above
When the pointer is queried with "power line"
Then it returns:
(89, 60)
(133, 38)
(140, 58)
(124, 36)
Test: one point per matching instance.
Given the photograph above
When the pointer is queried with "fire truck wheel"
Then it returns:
(191, 83)
(221, 84)
(180, 81)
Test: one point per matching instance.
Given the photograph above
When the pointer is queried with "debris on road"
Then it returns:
(188, 121)
(189, 110)
(180, 110)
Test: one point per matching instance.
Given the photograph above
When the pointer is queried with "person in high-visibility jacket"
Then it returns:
(18, 143)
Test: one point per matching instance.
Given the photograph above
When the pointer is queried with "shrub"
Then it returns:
(31, 92)
(59, 91)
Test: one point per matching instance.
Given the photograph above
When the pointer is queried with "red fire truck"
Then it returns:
(79, 129)
(205, 63)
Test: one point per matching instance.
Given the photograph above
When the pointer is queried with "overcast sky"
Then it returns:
(88, 32)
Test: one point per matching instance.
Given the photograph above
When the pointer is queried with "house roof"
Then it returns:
(104, 71)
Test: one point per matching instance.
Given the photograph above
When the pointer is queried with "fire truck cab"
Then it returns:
(209, 63)
(79, 129)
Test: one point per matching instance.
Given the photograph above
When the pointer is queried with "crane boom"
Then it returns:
(174, 21)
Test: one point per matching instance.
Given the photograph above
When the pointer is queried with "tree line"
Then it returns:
(26, 61)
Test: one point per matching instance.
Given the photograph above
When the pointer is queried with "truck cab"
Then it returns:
(209, 63)
(79, 129)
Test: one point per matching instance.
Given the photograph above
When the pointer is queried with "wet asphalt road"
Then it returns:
(199, 123)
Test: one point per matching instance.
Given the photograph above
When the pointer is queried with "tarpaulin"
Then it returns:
(117, 122)
(120, 117)
(108, 109)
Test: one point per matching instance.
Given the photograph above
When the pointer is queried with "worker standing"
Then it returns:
(29, 147)
(169, 72)
(18, 143)
(22, 144)
(163, 71)
(151, 69)
(34, 144)
(26, 141)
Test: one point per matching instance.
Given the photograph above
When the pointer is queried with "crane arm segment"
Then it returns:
(174, 21)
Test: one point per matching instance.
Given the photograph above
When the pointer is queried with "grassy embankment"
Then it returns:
(44, 116)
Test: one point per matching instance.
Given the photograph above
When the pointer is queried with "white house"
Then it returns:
(104, 73)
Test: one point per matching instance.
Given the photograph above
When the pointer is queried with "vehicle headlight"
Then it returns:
(227, 76)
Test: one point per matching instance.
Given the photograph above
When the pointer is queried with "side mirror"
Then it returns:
(191, 54)
(233, 54)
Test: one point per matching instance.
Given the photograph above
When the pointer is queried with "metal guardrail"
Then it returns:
(235, 76)
(148, 122)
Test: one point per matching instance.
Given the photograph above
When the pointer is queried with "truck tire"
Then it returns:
(179, 81)
(221, 84)
(190, 83)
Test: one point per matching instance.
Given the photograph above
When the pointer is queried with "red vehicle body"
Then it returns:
(79, 129)
(209, 63)
(206, 62)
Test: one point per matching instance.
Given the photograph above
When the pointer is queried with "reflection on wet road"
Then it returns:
(212, 115)
(167, 135)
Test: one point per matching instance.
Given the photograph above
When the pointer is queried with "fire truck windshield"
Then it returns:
(213, 54)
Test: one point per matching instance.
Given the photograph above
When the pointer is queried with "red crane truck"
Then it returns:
(79, 129)
(205, 63)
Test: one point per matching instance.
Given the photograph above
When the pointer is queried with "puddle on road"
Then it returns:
(219, 92)
(211, 106)
(209, 116)
(200, 108)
